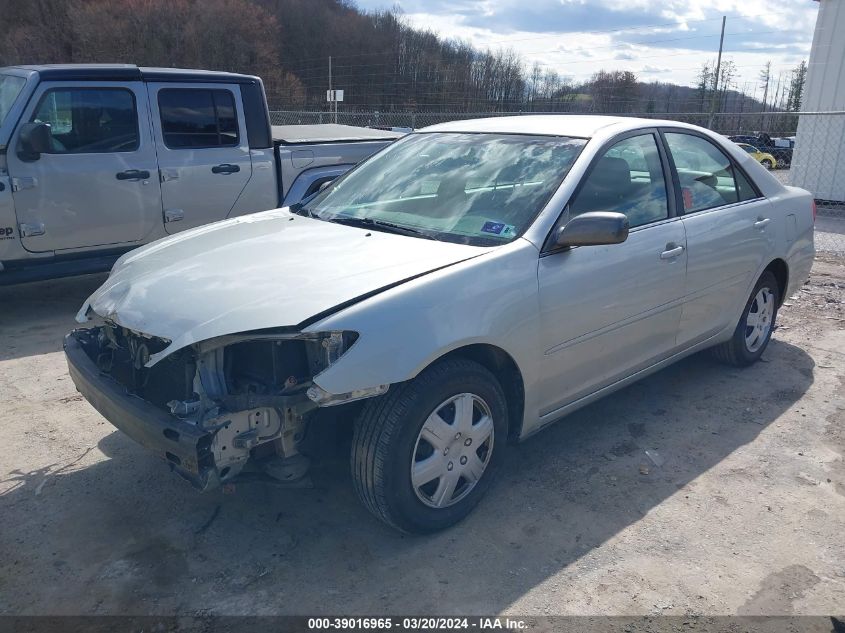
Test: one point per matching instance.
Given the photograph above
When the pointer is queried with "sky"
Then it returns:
(660, 40)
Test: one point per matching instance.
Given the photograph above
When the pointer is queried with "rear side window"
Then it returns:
(195, 118)
(707, 176)
(89, 120)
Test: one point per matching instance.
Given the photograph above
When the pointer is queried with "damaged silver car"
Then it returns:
(456, 292)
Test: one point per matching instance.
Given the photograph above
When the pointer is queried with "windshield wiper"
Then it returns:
(380, 225)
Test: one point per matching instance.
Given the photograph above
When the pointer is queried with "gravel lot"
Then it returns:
(739, 510)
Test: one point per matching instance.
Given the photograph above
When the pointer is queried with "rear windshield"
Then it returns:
(10, 88)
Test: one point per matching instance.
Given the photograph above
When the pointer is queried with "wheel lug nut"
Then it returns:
(450, 466)
(468, 441)
(445, 451)
(463, 460)
(457, 436)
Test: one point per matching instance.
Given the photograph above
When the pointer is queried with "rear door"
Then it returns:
(728, 231)
(98, 185)
(203, 151)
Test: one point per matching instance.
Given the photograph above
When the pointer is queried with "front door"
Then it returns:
(608, 311)
(203, 152)
(98, 185)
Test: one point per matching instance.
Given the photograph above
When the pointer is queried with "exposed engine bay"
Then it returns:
(249, 396)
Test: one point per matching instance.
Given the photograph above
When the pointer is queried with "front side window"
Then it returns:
(707, 176)
(10, 88)
(195, 118)
(628, 178)
(89, 120)
(481, 189)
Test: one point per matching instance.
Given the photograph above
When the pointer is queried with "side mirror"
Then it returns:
(35, 139)
(324, 185)
(593, 229)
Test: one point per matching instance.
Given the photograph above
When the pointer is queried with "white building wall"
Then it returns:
(818, 163)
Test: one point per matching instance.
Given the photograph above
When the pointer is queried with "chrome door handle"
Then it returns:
(672, 253)
(761, 223)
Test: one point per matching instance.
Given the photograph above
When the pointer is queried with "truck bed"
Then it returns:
(329, 133)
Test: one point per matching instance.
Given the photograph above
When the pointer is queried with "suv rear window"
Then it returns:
(194, 118)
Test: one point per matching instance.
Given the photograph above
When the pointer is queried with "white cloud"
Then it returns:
(667, 37)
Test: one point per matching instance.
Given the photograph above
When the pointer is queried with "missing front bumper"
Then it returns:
(185, 447)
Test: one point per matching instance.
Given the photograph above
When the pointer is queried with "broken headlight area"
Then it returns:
(248, 392)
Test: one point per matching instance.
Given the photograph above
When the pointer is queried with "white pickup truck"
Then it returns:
(98, 159)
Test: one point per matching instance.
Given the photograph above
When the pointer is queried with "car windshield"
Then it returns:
(479, 189)
(10, 88)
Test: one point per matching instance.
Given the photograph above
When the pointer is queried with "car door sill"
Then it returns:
(583, 401)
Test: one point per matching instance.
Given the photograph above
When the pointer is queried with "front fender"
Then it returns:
(491, 299)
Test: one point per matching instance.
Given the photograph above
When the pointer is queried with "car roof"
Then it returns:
(130, 72)
(576, 125)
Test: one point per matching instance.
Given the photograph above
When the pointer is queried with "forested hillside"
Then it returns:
(379, 61)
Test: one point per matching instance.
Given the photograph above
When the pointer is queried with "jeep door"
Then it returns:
(203, 151)
(98, 184)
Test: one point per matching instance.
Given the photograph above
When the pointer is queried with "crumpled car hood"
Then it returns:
(265, 270)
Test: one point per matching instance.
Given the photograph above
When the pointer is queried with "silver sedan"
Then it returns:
(458, 291)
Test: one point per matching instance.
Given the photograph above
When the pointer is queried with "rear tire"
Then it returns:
(767, 164)
(755, 327)
(425, 453)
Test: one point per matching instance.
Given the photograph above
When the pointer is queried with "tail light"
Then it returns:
(814, 211)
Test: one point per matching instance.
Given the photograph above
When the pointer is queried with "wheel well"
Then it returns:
(779, 269)
(501, 365)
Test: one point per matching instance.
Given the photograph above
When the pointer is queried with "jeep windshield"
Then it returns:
(10, 88)
(478, 189)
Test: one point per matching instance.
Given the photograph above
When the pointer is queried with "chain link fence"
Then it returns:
(805, 149)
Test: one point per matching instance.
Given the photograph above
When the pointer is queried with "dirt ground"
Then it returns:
(700, 490)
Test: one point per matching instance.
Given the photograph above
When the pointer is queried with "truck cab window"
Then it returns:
(195, 118)
(89, 120)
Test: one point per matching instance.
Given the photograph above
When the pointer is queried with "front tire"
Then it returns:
(755, 327)
(767, 164)
(425, 453)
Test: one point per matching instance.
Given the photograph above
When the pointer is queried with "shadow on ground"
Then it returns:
(32, 314)
(125, 536)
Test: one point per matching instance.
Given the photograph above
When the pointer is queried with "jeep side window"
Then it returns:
(89, 120)
(195, 118)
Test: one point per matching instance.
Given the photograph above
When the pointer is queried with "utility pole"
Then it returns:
(334, 109)
(716, 78)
